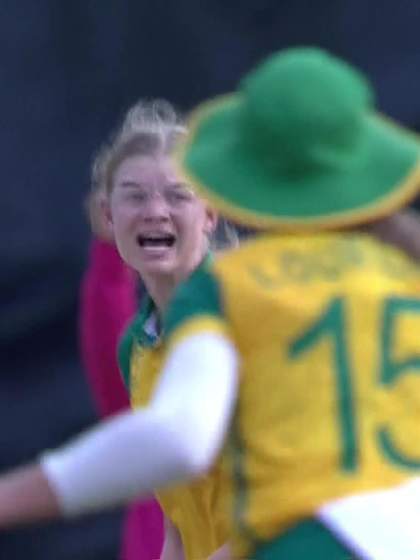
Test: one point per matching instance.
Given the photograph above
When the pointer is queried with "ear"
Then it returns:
(211, 221)
(100, 216)
(108, 223)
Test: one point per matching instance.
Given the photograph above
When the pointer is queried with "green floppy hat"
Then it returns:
(299, 146)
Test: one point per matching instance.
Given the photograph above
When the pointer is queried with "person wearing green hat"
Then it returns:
(292, 361)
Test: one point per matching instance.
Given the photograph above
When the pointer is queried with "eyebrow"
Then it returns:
(127, 183)
(180, 186)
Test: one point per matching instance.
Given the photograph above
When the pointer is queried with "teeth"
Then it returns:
(156, 241)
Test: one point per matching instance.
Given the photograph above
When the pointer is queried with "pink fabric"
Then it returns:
(108, 302)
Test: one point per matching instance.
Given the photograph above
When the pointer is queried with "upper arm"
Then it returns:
(196, 394)
(198, 384)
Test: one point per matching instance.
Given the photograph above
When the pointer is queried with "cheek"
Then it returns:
(123, 219)
(191, 233)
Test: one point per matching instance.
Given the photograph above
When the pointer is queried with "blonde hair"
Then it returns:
(225, 237)
(149, 128)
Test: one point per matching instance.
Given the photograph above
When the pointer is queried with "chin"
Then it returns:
(158, 268)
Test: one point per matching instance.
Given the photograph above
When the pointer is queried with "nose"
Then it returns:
(156, 210)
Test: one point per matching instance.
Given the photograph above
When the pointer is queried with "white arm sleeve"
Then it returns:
(176, 437)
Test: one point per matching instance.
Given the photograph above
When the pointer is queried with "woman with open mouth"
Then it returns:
(162, 231)
(316, 412)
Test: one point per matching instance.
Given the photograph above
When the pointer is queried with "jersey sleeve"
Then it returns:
(196, 307)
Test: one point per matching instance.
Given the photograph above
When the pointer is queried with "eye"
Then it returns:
(137, 196)
(179, 195)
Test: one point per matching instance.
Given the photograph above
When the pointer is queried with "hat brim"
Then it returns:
(383, 177)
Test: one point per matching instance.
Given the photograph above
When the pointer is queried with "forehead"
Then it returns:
(146, 171)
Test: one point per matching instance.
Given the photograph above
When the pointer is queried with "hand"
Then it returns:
(26, 497)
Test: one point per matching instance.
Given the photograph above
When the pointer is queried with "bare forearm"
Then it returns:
(172, 551)
(26, 497)
(172, 544)
(223, 553)
(130, 455)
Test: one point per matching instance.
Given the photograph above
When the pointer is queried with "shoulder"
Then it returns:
(198, 300)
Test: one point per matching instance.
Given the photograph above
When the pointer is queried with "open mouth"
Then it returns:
(165, 240)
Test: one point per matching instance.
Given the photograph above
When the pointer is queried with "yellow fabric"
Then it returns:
(196, 509)
(288, 444)
(202, 323)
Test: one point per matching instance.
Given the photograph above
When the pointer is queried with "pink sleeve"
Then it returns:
(108, 302)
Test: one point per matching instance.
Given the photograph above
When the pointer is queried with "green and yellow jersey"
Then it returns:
(196, 509)
(328, 332)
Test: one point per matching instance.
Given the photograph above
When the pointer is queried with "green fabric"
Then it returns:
(124, 355)
(299, 144)
(236, 450)
(136, 333)
(199, 295)
(307, 541)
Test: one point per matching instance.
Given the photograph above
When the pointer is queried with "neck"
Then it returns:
(401, 230)
(161, 287)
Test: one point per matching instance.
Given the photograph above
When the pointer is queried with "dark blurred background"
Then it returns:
(68, 71)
